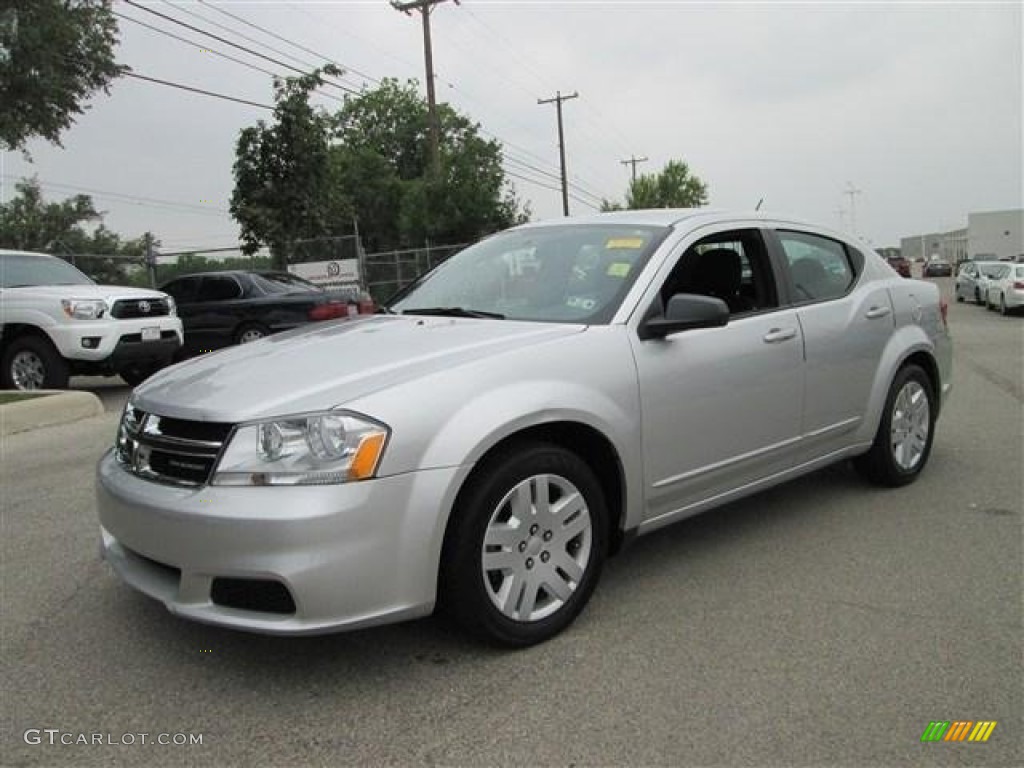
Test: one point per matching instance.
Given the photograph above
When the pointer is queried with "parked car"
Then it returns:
(1005, 290)
(937, 268)
(972, 280)
(219, 309)
(900, 264)
(489, 440)
(56, 322)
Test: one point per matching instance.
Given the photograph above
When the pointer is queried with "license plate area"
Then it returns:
(151, 334)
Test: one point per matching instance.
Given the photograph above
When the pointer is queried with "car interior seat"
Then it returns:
(718, 272)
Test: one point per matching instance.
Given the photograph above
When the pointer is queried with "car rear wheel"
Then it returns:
(251, 332)
(526, 545)
(31, 362)
(903, 442)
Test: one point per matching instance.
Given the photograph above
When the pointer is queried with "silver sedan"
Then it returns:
(515, 417)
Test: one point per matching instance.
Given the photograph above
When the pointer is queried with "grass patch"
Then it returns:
(16, 397)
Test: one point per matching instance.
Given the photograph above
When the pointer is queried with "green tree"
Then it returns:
(674, 187)
(284, 180)
(54, 55)
(28, 222)
(381, 164)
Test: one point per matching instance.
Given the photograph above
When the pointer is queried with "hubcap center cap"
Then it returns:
(534, 546)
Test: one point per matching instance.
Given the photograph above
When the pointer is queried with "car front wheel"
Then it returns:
(31, 363)
(904, 438)
(526, 545)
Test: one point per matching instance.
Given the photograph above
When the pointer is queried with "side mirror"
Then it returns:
(684, 312)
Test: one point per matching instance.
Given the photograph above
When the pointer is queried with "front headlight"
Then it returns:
(306, 449)
(84, 309)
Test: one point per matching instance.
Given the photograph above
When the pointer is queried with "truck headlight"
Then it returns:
(84, 309)
(172, 308)
(306, 449)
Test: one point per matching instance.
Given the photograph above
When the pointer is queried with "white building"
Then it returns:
(990, 235)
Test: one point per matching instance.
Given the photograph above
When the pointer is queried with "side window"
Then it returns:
(182, 290)
(218, 289)
(819, 268)
(731, 266)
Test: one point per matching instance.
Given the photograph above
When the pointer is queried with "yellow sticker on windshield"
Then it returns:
(618, 269)
(625, 242)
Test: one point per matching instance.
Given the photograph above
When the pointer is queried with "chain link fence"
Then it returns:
(385, 273)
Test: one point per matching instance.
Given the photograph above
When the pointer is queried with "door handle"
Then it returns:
(877, 312)
(775, 335)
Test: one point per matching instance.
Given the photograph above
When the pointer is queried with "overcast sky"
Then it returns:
(917, 105)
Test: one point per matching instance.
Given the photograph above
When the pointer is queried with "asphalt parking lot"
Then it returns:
(825, 622)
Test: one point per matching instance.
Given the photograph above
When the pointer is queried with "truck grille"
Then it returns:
(128, 308)
(168, 450)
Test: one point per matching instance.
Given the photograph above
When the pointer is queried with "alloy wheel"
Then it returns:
(28, 370)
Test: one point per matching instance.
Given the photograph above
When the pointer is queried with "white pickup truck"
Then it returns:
(55, 322)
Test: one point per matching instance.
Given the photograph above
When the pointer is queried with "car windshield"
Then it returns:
(560, 274)
(272, 283)
(23, 270)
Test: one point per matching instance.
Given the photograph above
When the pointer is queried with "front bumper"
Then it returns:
(116, 342)
(349, 555)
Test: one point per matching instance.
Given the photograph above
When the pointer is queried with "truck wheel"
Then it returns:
(31, 362)
(134, 375)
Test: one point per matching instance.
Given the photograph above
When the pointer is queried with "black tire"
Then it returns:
(1002, 305)
(959, 298)
(470, 595)
(134, 375)
(882, 464)
(977, 296)
(32, 362)
(251, 332)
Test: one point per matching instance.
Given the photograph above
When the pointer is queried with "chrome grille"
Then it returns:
(128, 308)
(169, 450)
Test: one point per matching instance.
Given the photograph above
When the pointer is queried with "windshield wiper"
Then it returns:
(453, 312)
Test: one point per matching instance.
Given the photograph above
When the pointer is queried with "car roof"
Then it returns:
(675, 217)
(37, 254)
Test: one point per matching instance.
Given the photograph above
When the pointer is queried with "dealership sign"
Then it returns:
(337, 272)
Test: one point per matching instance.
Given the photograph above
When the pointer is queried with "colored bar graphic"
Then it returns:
(958, 730)
(982, 731)
(935, 731)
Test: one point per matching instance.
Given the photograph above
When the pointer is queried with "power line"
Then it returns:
(135, 199)
(195, 44)
(301, 47)
(168, 83)
(233, 45)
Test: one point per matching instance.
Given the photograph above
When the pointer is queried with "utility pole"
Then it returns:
(557, 101)
(852, 191)
(150, 258)
(425, 7)
(841, 213)
(633, 160)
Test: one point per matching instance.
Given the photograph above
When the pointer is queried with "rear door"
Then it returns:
(846, 322)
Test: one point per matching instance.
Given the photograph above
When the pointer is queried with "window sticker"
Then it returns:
(619, 269)
(624, 242)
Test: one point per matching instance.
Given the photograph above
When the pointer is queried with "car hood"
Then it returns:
(108, 292)
(330, 364)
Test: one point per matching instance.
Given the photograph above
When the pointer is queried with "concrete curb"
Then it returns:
(58, 407)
